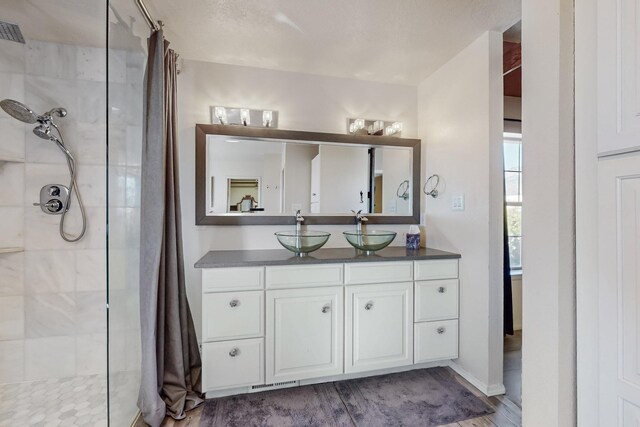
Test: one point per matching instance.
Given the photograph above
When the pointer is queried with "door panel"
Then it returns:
(304, 333)
(619, 290)
(618, 76)
(379, 320)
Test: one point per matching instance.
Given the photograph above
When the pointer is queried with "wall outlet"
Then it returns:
(457, 203)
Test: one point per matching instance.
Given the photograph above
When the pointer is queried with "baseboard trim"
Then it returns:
(487, 389)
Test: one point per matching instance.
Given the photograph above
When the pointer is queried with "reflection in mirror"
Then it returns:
(243, 194)
(257, 177)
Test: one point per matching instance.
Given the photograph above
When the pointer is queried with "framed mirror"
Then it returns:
(256, 176)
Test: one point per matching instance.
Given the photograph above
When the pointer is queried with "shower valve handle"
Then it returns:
(53, 205)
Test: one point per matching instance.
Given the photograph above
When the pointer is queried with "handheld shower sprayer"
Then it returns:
(45, 124)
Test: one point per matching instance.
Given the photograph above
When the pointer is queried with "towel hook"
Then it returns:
(433, 192)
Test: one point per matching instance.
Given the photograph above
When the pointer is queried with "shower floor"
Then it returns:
(69, 402)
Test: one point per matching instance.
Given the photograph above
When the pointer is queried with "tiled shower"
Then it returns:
(58, 341)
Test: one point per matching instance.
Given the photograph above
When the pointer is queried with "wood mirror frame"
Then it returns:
(202, 130)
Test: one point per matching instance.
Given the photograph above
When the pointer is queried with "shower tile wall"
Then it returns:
(53, 295)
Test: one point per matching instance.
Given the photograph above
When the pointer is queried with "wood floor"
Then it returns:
(507, 413)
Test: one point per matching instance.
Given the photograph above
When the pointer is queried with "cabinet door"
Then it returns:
(379, 326)
(304, 333)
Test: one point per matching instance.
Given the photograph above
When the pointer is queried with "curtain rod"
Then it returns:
(147, 16)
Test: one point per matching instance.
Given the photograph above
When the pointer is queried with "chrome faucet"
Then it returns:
(299, 221)
(360, 218)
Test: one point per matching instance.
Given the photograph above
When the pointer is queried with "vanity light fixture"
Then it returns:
(374, 127)
(244, 117)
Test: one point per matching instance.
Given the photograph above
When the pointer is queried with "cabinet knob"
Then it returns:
(234, 303)
(369, 305)
(235, 351)
(326, 309)
(442, 289)
(441, 330)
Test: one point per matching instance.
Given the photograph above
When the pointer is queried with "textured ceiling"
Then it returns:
(395, 41)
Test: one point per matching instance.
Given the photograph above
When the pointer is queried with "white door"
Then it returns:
(616, 40)
(619, 291)
(304, 333)
(378, 326)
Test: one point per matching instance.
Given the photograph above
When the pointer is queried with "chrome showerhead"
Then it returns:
(19, 111)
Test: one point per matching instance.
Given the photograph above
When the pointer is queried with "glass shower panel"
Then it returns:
(126, 58)
(53, 328)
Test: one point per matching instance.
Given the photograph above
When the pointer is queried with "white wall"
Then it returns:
(343, 176)
(305, 102)
(548, 215)
(460, 116)
(297, 176)
(396, 167)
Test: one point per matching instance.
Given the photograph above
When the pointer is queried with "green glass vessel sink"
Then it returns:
(370, 241)
(302, 242)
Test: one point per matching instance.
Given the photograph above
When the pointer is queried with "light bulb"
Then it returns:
(221, 114)
(267, 116)
(245, 116)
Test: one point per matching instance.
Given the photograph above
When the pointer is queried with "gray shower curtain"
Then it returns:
(171, 366)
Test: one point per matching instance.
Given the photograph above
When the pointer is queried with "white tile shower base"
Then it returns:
(67, 402)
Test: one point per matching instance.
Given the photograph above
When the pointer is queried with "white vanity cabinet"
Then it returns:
(300, 322)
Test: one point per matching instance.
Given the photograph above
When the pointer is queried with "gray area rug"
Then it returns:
(424, 397)
(312, 405)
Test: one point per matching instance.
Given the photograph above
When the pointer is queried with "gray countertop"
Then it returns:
(249, 258)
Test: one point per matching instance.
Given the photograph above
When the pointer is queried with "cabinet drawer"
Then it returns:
(230, 364)
(232, 279)
(435, 341)
(283, 277)
(232, 315)
(436, 269)
(378, 272)
(436, 300)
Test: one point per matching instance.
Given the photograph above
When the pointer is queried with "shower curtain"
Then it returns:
(171, 366)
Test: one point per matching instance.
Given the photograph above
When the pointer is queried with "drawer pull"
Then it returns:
(369, 305)
(234, 303)
(235, 351)
(326, 309)
(442, 289)
(441, 330)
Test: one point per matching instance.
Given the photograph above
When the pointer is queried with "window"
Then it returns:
(513, 196)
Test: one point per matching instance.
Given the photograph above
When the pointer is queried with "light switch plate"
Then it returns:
(457, 203)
